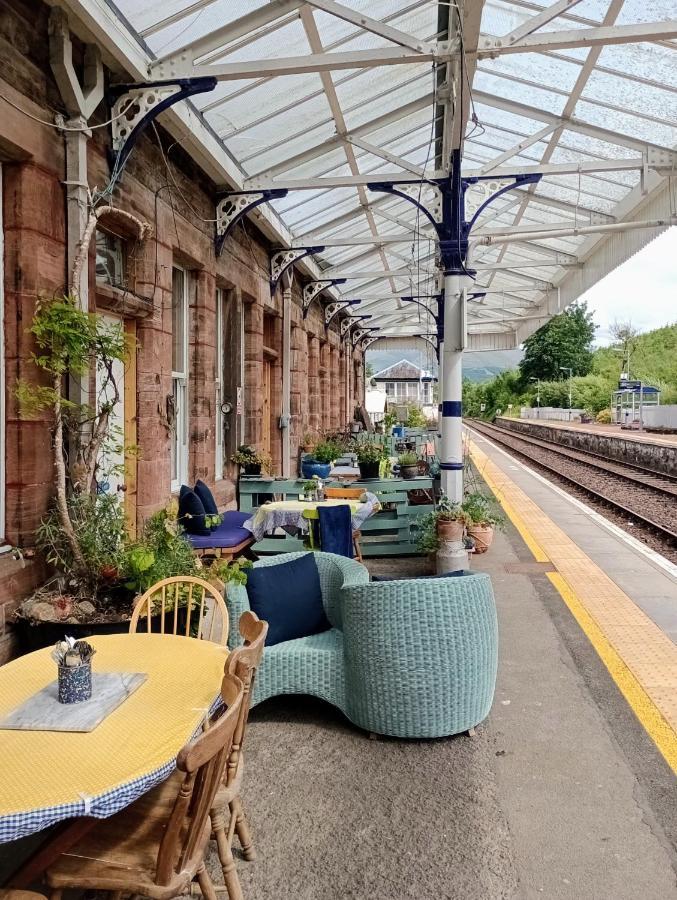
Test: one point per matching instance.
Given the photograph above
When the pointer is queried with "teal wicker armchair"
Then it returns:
(413, 658)
(311, 665)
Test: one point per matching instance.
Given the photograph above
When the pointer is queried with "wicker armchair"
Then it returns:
(413, 658)
(310, 665)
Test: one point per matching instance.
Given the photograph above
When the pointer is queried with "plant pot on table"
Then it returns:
(369, 469)
(252, 469)
(409, 471)
(310, 467)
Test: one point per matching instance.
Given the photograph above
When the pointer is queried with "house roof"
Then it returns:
(404, 370)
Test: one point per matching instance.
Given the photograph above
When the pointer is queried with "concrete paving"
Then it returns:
(545, 801)
(560, 794)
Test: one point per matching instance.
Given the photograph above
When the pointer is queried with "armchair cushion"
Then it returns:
(289, 597)
(457, 573)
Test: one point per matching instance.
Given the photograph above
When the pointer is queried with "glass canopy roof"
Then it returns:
(584, 91)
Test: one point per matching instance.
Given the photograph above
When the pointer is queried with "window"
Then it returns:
(111, 261)
(179, 449)
(2, 371)
(219, 382)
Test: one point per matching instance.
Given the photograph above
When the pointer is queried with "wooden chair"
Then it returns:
(243, 663)
(166, 603)
(348, 494)
(158, 851)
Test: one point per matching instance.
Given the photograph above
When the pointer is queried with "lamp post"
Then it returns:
(538, 390)
(571, 372)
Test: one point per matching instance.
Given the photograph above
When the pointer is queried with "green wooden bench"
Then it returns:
(390, 532)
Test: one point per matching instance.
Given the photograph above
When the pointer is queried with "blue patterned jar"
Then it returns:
(75, 683)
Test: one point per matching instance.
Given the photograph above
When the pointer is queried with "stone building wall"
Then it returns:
(161, 186)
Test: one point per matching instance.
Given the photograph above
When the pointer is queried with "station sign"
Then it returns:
(624, 384)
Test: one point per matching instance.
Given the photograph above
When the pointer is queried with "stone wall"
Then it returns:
(163, 187)
(659, 457)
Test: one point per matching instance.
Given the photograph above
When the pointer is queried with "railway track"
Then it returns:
(647, 497)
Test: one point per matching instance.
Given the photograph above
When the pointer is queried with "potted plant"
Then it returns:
(309, 488)
(451, 520)
(233, 571)
(309, 441)
(369, 456)
(250, 460)
(483, 520)
(408, 463)
(319, 462)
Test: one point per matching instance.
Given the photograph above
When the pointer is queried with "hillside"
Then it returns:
(653, 358)
(477, 366)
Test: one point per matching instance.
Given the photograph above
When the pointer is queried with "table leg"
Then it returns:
(34, 867)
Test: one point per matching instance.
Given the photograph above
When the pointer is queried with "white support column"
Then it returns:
(451, 457)
(285, 417)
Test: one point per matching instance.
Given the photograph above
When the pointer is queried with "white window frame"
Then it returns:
(179, 450)
(218, 384)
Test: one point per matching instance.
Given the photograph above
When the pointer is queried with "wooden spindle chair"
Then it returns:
(243, 662)
(168, 601)
(158, 850)
(348, 494)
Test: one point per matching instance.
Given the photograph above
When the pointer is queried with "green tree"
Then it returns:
(566, 340)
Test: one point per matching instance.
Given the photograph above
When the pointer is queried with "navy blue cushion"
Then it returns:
(289, 598)
(336, 529)
(192, 512)
(455, 574)
(206, 497)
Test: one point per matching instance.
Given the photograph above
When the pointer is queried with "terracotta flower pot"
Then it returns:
(450, 530)
(483, 536)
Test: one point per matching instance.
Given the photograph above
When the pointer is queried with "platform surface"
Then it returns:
(623, 595)
(646, 437)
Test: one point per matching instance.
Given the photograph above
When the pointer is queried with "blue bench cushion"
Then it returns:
(229, 533)
(207, 498)
(192, 512)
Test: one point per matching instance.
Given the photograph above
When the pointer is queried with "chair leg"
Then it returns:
(357, 535)
(205, 882)
(55, 894)
(226, 858)
(242, 828)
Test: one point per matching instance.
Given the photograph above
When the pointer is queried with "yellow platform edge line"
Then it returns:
(652, 720)
(538, 552)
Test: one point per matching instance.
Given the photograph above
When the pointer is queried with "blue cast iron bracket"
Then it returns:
(281, 260)
(234, 205)
(332, 309)
(314, 288)
(135, 106)
(447, 212)
(438, 317)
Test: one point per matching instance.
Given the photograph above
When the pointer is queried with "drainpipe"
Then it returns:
(285, 417)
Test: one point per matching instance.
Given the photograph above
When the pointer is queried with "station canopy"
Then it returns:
(323, 97)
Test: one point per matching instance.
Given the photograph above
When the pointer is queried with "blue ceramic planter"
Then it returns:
(310, 467)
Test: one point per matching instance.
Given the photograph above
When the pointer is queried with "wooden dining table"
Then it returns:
(74, 778)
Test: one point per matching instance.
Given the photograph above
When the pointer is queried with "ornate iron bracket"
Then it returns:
(349, 322)
(280, 260)
(331, 310)
(134, 106)
(438, 317)
(367, 342)
(234, 205)
(314, 288)
(447, 212)
(361, 333)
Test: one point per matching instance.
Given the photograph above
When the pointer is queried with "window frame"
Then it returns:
(219, 468)
(179, 446)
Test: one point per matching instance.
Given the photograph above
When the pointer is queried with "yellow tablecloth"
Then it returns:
(49, 776)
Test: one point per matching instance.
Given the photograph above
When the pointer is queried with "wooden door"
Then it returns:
(267, 390)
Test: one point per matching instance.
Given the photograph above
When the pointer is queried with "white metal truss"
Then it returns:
(322, 98)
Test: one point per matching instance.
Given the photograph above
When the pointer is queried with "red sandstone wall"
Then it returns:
(35, 262)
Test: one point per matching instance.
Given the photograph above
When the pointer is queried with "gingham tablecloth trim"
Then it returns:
(20, 824)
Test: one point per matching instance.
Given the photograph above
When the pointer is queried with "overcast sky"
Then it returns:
(643, 290)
